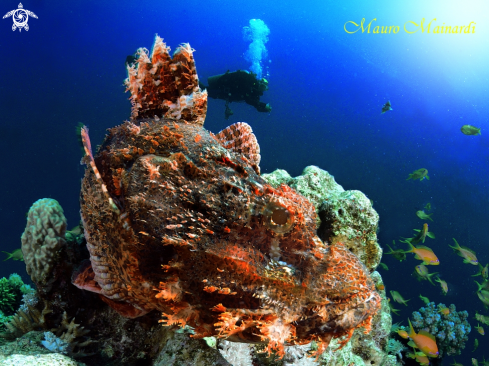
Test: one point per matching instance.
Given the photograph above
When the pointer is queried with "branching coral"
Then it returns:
(25, 321)
(451, 330)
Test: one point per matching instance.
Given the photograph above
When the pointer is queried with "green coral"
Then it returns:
(7, 296)
(11, 291)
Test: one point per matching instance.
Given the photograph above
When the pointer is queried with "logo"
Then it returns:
(20, 17)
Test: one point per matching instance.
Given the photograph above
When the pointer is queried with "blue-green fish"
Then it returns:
(399, 254)
(386, 107)
(16, 255)
(476, 344)
(421, 272)
(470, 130)
(419, 174)
(423, 216)
(483, 292)
(420, 237)
(483, 271)
(424, 299)
(396, 296)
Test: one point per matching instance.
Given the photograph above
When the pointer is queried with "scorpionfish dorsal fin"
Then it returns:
(166, 87)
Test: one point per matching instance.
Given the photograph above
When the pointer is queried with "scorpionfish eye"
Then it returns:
(278, 217)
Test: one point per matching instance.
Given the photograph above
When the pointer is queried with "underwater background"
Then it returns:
(326, 88)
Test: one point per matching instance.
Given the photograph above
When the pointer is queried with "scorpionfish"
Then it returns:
(179, 220)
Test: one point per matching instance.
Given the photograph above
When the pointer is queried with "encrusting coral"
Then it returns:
(179, 220)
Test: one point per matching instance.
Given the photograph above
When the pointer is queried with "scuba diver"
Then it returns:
(238, 86)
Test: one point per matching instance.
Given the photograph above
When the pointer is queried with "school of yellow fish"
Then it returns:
(423, 343)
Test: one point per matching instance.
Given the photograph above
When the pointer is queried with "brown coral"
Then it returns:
(179, 220)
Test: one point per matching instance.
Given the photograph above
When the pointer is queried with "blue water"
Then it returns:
(327, 88)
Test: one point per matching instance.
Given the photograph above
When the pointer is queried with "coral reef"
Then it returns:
(451, 331)
(180, 221)
(344, 216)
(42, 240)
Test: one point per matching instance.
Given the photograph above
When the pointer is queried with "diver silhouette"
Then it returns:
(238, 86)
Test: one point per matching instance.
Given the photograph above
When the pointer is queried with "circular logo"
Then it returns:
(20, 18)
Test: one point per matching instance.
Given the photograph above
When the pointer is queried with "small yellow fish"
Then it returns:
(443, 310)
(475, 362)
(402, 333)
(424, 341)
(419, 174)
(443, 285)
(467, 254)
(480, 329)
(16, 255)
(383, 266)
(423, 216)
(422, 273)
(425, 254)
(456, 364)
(396, 296)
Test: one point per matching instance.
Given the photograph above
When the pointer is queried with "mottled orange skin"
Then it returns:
(197, 235)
